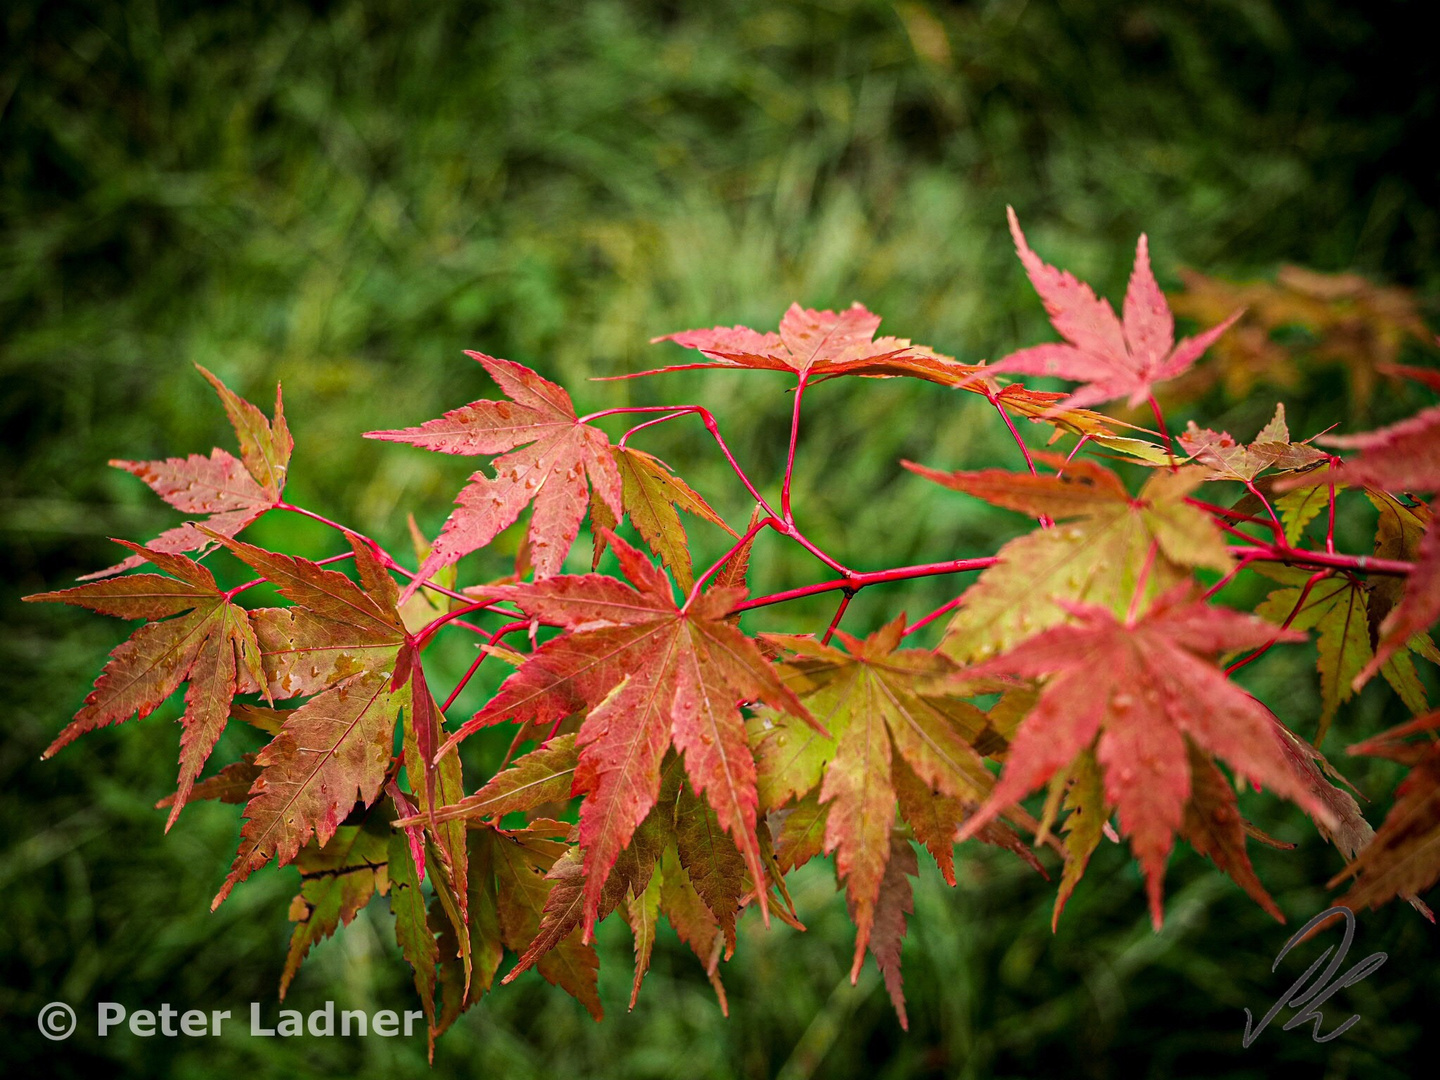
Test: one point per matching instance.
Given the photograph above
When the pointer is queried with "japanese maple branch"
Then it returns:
(1014, 433)
(780, 523)
(1280, 550)
(467, 625)
(427, 632)
(863, 580)
(1357, 563)
(1362, 564)
(385, 558)
(770, 522)
(1074, 450)
(706, 417)
(1226, 527)
(491, 639)
(787, 517)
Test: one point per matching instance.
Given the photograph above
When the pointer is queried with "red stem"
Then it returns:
(475, 665)
(1074, 450)
(386, 559)
(782, 525)
(649, 423)
(553, 729)
(790, 457)
(784, 529)
(514, 745)
(1225, 526)
(1015, 434)
(873, 577)
(800, 538)
(1365, 564)
(426, 583)
(1330, 527)
(312, 515)
(1294, 611)
(465, 625)
(839, 612)
(1362, 564)
(1221, 511)
(1045, 520)
(1280, 539)
(750, 533)
(428, 630)
(1281, 552)
(625, 409)
(708, 419)
(948, 606)
(230, 594)
(1164, 433)
(1234, 570)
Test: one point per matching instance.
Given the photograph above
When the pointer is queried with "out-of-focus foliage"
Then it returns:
(345, 195)
(1302, 318)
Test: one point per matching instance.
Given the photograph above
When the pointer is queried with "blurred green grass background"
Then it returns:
(346, 195)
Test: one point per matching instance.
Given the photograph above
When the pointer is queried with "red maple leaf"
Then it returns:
(547, 456)
(1403, 858)
(678, 863)
(230, 492)
(1114, 359)
(649, 674)
(193, 632)
(1141, 691)
(818, 344)
(1401, 457)
(346, 644)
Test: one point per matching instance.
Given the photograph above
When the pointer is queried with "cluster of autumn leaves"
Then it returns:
(709, 763)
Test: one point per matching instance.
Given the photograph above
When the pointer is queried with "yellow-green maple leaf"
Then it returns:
(1095, 554)
(1335, 608)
